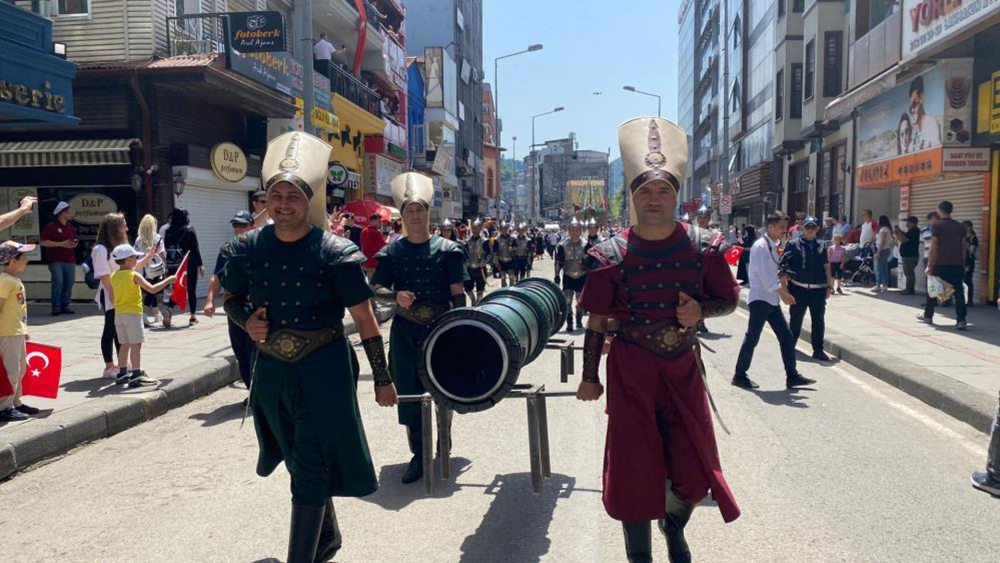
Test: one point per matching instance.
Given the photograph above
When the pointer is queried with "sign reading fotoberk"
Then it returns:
(927, 23)
(257, 32)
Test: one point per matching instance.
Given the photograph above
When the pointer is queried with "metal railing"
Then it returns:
(347, 85)
(196, 34)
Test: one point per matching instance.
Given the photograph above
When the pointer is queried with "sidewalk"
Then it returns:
(956, 372)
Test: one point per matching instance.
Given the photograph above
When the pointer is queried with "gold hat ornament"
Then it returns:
(652, 148)
(301, 160)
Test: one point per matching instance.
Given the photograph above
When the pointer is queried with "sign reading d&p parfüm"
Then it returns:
(229, 162)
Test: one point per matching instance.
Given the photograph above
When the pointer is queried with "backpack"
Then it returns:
(175, 254)
(88, 274)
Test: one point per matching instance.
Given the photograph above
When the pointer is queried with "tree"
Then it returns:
(616, 203)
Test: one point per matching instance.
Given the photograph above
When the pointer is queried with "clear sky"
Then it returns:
(589, 46)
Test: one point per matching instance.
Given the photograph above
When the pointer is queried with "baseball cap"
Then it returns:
(810, 220)
(60, 207)
(10, 250)
(123, 251)
(242, 217)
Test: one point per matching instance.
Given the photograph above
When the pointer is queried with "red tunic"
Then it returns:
(371, 242)
(659, 421)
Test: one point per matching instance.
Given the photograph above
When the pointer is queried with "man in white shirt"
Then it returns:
(926, 129)
(867, 228)
(323, 52)
(767, 287)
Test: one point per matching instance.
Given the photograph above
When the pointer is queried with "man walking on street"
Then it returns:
(805, 264)
(58, 238)
(569, 260)
(503, 253)
(477, 252)
(767, 287)
(372, 242)
(909, 252)
(661, 457)
(423, 275)
(287, 285)
(946, 260)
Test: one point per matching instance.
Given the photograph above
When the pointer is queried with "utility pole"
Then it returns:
(725, 99)
(303, 9)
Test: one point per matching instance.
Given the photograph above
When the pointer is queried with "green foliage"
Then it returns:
(616, 203)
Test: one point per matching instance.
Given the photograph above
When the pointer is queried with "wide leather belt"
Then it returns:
(809, 285)
(290, 345)
(423, 312)
(666, 339)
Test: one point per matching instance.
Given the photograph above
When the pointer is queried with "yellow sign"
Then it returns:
(995, 105)
(324, 119)
(228, 162)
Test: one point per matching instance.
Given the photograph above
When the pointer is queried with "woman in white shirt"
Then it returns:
(155, 269)
(883, 252)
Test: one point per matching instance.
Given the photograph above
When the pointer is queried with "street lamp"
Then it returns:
(496, 86)
(534, 162)
(657, 96)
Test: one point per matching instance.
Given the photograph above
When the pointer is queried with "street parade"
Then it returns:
(308, 281)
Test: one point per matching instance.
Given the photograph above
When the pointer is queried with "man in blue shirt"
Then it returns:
(805, 264)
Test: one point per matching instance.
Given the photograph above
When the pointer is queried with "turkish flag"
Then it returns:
(180, 291)
(733, 255)
(41, 379)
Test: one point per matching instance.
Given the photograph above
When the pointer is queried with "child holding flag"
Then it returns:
(14, 328)
(126, 284)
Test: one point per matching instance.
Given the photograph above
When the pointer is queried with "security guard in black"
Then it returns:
(805, 264)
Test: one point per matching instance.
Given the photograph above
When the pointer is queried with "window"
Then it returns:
(74, 7)
(734, 98)
(779, 95)
(810, 69)
(781, 9)
(737, 26)
(833, 40)
(798, 6)
(795, 111)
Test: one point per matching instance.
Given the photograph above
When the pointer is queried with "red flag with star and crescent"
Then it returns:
(41, 378)
(733, 255)
(180, 291)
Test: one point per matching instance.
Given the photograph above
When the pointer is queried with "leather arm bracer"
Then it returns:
(375, 351)
(237, 308)
(593, 347)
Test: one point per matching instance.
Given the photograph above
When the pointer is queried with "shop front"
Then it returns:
(914, 152)
(348, 142)
(752, 195)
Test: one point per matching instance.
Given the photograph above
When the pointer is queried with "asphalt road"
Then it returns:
(852, 470)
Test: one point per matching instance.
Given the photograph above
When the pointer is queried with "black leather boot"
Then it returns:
(638, 541)
(569, 322)
(415, 470)
(303, 536)
(579, 318)
(673, 529)
(330, 539)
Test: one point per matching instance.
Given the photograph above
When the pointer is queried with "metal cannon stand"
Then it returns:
(535, 396)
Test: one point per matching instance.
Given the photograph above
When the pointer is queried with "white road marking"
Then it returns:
(974, 448)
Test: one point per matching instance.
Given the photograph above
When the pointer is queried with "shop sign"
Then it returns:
(321, 92)
(90, 208)
(229, 162)
(341, 177)
(26, 229)
(443, 159)
(38, 95)
(396, 151)
(278, 70)
(900, 169)
(256, 32)
(938, 112)
(927, 23)
(965, 160)
(995, 103)
(904, 198)
(323, 119)
(381, 171)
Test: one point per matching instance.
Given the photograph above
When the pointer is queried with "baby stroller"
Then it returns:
(860, 269)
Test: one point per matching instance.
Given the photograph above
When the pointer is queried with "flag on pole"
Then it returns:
(41, 378)
(733, 255)
(180, 292)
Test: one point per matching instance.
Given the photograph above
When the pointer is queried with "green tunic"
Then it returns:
(427, 270)
(306, 413)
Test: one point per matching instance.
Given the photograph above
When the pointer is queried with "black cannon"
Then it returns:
(472, 356)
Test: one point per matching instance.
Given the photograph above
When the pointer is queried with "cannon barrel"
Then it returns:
(472, 356)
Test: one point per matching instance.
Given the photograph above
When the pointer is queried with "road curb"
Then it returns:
(956, 399)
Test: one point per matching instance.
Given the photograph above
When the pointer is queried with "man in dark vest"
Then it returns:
(477, 252)
(810, 282)
(503, 252)
(287, 285)
(570, 256)
(423, 275)
(661, 457)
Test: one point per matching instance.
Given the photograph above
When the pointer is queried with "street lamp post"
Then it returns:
(534, 163)
(659, 100)
(496, 86)
(513, 172)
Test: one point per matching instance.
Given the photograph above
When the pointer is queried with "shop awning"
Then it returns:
(846, 102)
(82, 152)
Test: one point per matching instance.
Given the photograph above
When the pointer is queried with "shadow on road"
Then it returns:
(268, 560)
(220, 415)
(516, 526)
(784, 397)
(100, 387)
(395, 496)
(711, 336)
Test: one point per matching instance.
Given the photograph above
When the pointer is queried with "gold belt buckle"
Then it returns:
(424, 313)
(288, 345)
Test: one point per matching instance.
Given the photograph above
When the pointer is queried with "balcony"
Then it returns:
(347, 85)
(339, 18)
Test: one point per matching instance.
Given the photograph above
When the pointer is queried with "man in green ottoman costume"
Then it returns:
(424, 276)
(287, 285)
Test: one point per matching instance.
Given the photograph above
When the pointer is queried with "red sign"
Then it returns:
(904, 198)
